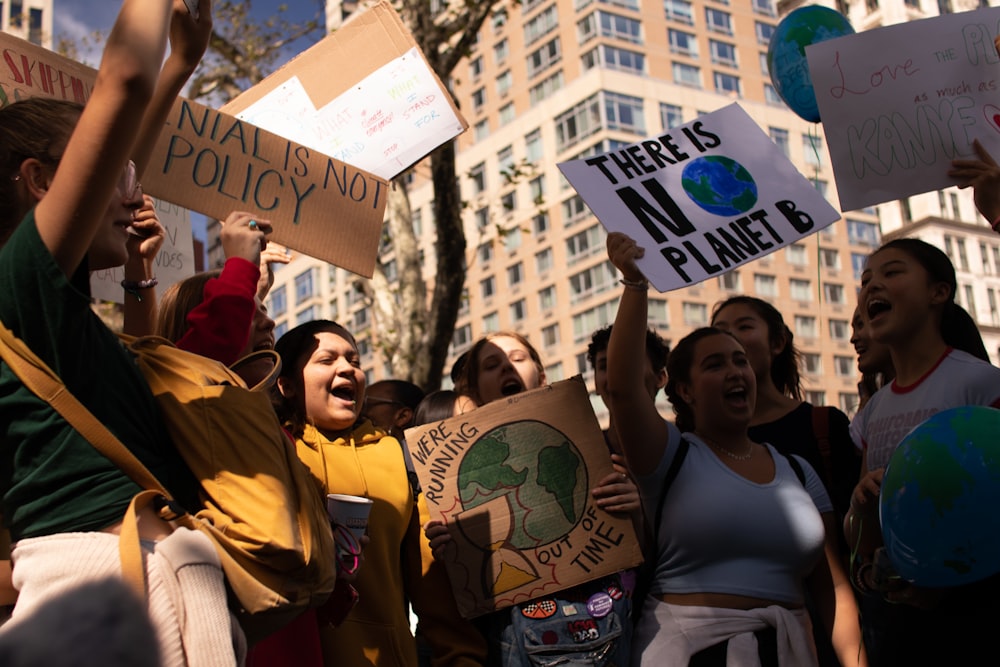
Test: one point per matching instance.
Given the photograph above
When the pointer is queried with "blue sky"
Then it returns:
(76, 19)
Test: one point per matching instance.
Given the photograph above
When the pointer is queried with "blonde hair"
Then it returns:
(178, 301)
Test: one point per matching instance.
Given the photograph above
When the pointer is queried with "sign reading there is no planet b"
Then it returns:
(702, 198)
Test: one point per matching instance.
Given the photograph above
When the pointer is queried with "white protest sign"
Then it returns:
(899, 103)
(389, 120)
(702, 199)
(174, 263)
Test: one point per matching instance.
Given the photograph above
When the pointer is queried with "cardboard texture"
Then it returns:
(213, 163)
(512, 481)
(383, 112)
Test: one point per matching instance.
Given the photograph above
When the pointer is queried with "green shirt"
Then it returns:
(52, 479)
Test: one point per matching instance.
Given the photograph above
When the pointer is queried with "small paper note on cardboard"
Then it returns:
(512, 481)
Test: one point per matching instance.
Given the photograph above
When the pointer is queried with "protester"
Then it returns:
(67, 203)
(392, 404)
(982, 174)
(907, 299)
(740, 538)
(500, 365)
(874, 360)
(440, 405)
(322, 391)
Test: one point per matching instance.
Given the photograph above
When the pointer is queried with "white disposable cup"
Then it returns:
(349, 511)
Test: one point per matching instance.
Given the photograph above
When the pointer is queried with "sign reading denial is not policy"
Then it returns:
(702, 199)
(213, 163)
(512, 481)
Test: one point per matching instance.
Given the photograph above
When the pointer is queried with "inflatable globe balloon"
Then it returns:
(939, 499)
(786, 54)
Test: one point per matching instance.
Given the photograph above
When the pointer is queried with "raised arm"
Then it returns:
(641, 430)
(75, 203)
(188, 41)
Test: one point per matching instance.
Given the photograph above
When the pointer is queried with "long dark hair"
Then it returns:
(293, 348)
(784, 366)
(958, 329)
(679, 365)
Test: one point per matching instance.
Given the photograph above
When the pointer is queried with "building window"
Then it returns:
(727, 84)
(541, 25)
(595, 280)
(499, 19)
(765, 286)
(849, 403)
(536, 188)
(812, 363)
(540, 223)
(683, 43)
(970, 301)
(481, 130)
(462, 338)
(834, 293)
(839, 330)
(518, 311)
(799, 290)
(35, 34)
(686, 75)
(543, 260)
(547, 299)
(730, 281)
(624, 113)
(722, 53)
(304, 286)
(796, 255)
(574, 209)
(574, 125)
(533, 145)
(307, 315)
(765, 7)
(478, 98)
(512, 239)
(609, 25)
(550, 335)
(764, 32)
(485, 252)
(829, 259)
(718, 21)
(546, 88)
(843, 366)
(817, 398)
(679, 10)
(507, 114)
(491, 323)
(657, 314)
(482, 217)
(812, 150)
(598, 317)
(501, 50)
(612, 57)
(544, 56)
(991, 297)
(863, 233)
(476, 68)
(508, 201)
(695, 314)
(277, 302)
(584, 244)
(671, 115)
(780, 138)
(478, 177)
(515, 274)
(487, 287)
(504, 82)
(805, 326)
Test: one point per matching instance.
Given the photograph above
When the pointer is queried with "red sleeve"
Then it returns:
(219, 327)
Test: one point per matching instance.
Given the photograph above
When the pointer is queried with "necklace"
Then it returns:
(719, 448)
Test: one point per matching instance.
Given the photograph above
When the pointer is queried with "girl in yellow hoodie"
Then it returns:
(322, 391)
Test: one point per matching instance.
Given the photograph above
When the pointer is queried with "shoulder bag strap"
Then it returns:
(821, 431)
(40, 379)
(668, 480)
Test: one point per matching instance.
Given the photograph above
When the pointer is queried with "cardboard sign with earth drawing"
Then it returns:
(512, 482)
(702, 198)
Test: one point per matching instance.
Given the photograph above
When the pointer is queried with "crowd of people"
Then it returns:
(761, 538)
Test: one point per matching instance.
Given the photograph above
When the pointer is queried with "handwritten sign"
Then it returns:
(385, 123)
(174, 263)
(512, 481)
(703, 199)
(213, 163)
(899, 103)
(382, 113)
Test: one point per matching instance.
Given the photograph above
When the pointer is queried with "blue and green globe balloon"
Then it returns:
(719, 185)
(939, 499)
(786, 54)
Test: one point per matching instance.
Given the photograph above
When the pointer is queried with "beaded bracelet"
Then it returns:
(133, 286)
(637, 285)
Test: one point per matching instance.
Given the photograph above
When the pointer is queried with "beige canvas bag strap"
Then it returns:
(40, 379)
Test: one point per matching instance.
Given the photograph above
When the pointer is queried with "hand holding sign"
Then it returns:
(983, 174)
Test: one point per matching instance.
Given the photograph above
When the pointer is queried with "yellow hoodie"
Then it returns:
(397, 565)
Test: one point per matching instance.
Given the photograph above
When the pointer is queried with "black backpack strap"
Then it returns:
(675, 467)
(821, 432)
(797, 467)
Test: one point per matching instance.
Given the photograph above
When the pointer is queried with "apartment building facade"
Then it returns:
(553, 80)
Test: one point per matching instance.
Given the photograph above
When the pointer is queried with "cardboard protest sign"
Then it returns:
(174, 263)
(512, 481)
(382, 113)
(899, 103)
(702, 199)
(213, 163)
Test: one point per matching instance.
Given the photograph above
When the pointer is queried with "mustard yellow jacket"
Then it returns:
(397, 564)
